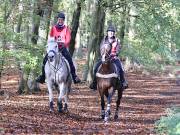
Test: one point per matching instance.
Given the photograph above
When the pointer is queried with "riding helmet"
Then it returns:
(111, 28)
(61, 15)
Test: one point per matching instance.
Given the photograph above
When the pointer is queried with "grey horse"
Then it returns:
(57, 74)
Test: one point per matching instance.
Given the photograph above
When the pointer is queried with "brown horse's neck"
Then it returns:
(107, 68)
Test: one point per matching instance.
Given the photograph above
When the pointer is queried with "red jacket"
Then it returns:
(64, 34)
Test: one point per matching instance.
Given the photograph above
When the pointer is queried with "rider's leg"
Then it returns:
(41, 78)
(93, 85)
(121, 73)
(67, 55)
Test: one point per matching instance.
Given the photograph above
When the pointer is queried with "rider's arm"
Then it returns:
(51, 34)
(115, 48)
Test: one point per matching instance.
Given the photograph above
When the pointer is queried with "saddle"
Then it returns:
(67, 63)
(115, 74)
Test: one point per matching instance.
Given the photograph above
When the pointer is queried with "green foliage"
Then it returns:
(169, 124)
(151, 32)
(27, 55)
(151, 29)
(157, 27)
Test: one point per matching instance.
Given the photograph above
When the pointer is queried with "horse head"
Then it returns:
(105, 53)
(52, 49)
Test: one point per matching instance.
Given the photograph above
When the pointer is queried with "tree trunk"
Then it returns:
(96, 35)
(6, 15)
(23, 85)
(48, 14)
(37, 14)
(123, 24)
(75, 25)
(21, 73)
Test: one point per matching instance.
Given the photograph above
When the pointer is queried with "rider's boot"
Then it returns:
(75, 78)
(123, 81)
(41, 78)
(93, 85)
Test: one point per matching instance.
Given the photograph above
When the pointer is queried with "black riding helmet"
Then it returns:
(111, 28)
(61, 15)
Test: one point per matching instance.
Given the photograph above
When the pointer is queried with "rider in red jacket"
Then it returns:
(62, 35)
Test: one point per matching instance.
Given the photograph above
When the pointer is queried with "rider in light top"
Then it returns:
(62, 35)
(115, 48)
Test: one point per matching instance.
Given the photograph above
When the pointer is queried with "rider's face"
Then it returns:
(60, 21)
(110, 34)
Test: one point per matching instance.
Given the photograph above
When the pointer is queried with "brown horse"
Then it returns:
(108, 82)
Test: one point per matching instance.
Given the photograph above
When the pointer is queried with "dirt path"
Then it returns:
(142, 104)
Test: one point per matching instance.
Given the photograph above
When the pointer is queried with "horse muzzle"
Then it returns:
(51, 58)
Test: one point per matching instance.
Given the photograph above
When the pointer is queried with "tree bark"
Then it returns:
(37, 14)
(123, 24)
(6, 16)
(21, 73)
(97, 34)
(75, 25)
(48, 14)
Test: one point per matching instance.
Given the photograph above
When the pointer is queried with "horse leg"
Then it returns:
(50, 96)
(118, 103)
(61, 93)
(107, 95)
(66, 99)
(102, 107)
(108, 110)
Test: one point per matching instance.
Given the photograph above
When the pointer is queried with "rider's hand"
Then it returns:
(61, 44)
(113, 55)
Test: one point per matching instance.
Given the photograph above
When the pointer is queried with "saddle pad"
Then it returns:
(115, 74)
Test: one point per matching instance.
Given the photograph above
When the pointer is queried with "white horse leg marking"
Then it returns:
(107, 114)
(108, 107)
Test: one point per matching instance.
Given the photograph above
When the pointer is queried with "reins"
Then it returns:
(58, 65)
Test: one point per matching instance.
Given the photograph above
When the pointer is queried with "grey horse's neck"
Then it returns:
(58, 60)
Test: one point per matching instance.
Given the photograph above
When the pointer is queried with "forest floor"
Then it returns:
(143, 103)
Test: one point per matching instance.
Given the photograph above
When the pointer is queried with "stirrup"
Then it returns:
(77, 80)
(93, 86)
(40, 79)
(125, 85)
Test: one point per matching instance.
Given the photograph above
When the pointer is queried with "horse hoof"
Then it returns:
(66, 111)
(106, 119)
(65, 108)
(60, 107)
(51, 110)
(51, 106)
(102, 116)
(108, 113)
(60, 111)
(115, 117)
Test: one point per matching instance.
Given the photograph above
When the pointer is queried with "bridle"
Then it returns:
(57, 66)
(106, 54)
